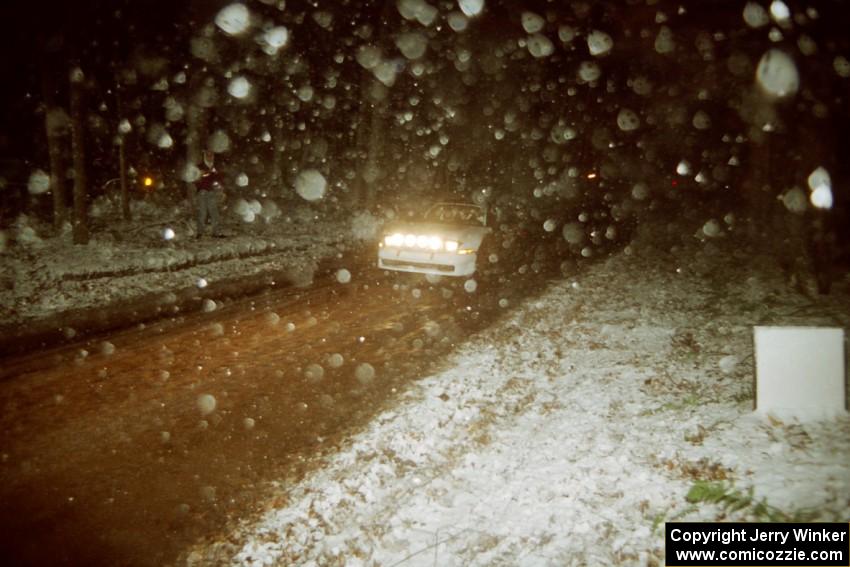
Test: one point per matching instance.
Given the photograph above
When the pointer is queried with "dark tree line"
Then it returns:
(477, 108)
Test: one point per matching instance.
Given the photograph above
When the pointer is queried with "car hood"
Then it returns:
(467, 236)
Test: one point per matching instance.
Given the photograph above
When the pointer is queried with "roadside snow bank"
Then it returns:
(47, 276)
(568, 434)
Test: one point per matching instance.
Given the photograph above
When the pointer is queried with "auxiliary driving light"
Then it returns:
(396, 239)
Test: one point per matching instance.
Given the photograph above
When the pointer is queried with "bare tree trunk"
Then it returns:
(374, 152)
(81, 228)
(194, 120)
(761, 186)
(125, 193)
(56, 124)
(122, 161)
(371, 130)
(196, 117)
(358, 191)
(277, 158)
(820, 235)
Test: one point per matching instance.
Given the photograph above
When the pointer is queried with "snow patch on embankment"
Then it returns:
(569, 433)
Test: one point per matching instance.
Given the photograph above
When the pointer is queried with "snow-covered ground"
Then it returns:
(45, 275)
(570, 432)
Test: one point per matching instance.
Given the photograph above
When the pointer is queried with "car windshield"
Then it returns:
(456, 214)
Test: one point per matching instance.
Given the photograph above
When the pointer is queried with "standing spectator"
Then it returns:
(208, 187)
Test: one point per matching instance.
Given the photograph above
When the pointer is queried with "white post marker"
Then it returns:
(800, 372)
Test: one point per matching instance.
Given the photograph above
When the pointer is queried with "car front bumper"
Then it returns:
(426, 262)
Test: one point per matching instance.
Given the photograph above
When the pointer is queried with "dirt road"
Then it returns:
(124, 449)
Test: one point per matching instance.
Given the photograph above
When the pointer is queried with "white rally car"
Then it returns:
(446, 242)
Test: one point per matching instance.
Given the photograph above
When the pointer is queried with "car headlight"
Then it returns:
(395, 239)
(422, 241)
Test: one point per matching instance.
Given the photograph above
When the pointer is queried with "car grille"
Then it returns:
(424, 265)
